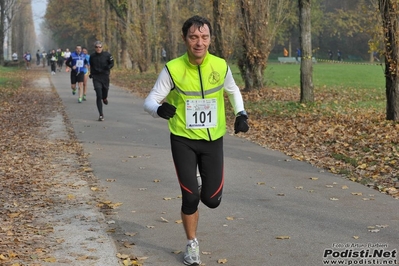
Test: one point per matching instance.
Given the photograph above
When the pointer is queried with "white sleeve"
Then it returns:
(161, 89)
(233, 93)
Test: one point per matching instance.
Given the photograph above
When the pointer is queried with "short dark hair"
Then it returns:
(198, 22)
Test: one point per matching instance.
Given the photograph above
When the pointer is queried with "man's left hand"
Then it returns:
(241, 124)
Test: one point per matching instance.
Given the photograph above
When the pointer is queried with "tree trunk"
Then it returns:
(307, 94)
(390, 16)
(171, 45)
(258, 28)
(2, 28)
(252, 60)
(217, 28)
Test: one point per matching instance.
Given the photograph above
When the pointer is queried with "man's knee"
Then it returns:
(212, 203)
(190, 204)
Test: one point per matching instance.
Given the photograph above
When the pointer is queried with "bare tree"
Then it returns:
(307, 94)
(7, 11)
(260, 21)
(171, 25)
(390, 19)
(224, 27)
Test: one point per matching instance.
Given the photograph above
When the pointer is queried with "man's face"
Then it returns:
(78, 49)
(98, 48)
(197, 42)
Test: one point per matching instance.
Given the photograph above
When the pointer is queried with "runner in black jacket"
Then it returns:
(100, 65)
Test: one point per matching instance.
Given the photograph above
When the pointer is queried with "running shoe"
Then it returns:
(73, 91)
(79, 100)
(191, 256)
(101, 118)
(105, 101)
(84, 97)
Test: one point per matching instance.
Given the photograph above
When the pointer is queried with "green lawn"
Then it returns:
(337, 87)
(347, 75)
(10, 80)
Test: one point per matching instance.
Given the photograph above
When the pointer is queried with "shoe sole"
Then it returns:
(192, 264)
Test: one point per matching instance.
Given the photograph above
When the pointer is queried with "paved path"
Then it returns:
(267, 195)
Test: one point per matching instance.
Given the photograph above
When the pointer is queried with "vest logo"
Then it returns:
(214, 77)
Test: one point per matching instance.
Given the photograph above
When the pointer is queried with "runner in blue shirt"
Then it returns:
(78, 64)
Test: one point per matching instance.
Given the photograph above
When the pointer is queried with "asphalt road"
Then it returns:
(321, 217)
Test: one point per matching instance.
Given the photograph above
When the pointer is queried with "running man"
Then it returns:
(189, 93)
(101, 63)
(77, 63)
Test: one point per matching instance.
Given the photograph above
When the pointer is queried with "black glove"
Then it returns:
(241, 124)
(90, 76)
(166, 110)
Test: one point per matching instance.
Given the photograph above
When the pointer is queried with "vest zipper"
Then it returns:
(203, 96)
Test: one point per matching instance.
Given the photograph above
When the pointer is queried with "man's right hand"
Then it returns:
(166, 111)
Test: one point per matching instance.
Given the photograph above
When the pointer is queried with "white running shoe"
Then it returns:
(191, 256)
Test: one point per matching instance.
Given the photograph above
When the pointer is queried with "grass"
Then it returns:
(10, 81)
(337, 88)
(366, 76)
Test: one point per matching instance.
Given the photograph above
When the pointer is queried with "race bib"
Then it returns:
(79, 63)
(201, 113)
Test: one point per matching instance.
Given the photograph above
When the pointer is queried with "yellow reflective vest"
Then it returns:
(191, 84)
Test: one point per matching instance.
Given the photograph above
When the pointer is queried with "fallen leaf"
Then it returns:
(50, 259)
(282, 237)
(71, 196)
(222, 261)
(128, 245)
(381, 225)
(374, 230)
(122, 256)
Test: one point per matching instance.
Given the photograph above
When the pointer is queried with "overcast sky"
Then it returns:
(38, 9)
